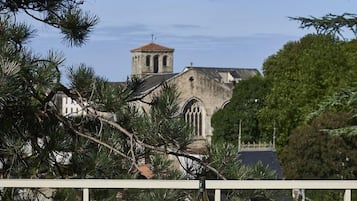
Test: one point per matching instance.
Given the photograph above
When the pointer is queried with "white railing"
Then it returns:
(217, 185)
(257, 147)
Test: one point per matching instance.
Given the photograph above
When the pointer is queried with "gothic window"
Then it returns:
(193, 114)
(164, 61)
(148, 60)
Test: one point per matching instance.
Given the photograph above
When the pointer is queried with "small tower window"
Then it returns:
(156, 63)
(148, 60)
(164, 61)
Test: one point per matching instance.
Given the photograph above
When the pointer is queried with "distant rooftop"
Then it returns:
(152, 47)
(152, 81)
(217, 73)
(235, 72)
(268, 158)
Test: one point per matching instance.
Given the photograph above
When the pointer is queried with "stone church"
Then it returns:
(203, 90)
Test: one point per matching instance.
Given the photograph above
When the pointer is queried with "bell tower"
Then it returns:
(151, 59)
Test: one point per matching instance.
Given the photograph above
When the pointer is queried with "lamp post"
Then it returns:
(252, 101)
(239, 134)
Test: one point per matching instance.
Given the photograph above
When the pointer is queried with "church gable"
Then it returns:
(194, 82)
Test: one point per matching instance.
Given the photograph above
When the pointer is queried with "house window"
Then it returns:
(193, 115)
(148, 60)
(164, 61)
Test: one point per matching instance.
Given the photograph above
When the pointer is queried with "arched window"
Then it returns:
(148, 60)
(164, 61)
(156, 63)
(193, 114)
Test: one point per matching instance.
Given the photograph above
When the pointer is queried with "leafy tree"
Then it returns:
(312, 154)
(325, 147)
(247, 99)
(302, 73)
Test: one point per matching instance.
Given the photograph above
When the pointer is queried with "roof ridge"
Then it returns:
(152, 47)
(223, 68)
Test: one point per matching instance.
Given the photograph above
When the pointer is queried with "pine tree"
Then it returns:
(111, 141)
(36, 141)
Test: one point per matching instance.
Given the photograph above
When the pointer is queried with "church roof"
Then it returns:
(152, 81)
(152, 47)
(268, 158)
(238, 73)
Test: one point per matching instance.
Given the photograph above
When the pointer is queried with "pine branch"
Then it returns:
(68, 124)
(164, 150)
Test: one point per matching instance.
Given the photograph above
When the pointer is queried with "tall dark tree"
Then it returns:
(313, 154)
(323, 149)
(248, 98)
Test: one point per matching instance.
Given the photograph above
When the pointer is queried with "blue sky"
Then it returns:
(218, 33)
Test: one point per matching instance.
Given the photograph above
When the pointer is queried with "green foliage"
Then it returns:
(223, 157)
(325, 195)
(302, 73)
(311, 154)
(162, 169)
(163, 126)
(37, 141)
(65, 15)
(248, 98)
(327, 142)
(330, 23)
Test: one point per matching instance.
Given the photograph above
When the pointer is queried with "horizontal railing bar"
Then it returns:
(281, 184)
(100, 183)
(179, 184)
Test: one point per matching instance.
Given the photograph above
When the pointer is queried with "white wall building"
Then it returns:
(67, 106)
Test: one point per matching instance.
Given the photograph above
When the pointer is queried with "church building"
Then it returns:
(203, 90)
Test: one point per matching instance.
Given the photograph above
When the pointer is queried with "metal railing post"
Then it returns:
(347, 195)
(217, 195)
(85, 194)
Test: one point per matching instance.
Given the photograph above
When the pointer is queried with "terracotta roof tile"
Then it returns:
(152, 47)
(146, 171)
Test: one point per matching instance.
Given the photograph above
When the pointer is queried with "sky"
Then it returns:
(210, 33)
